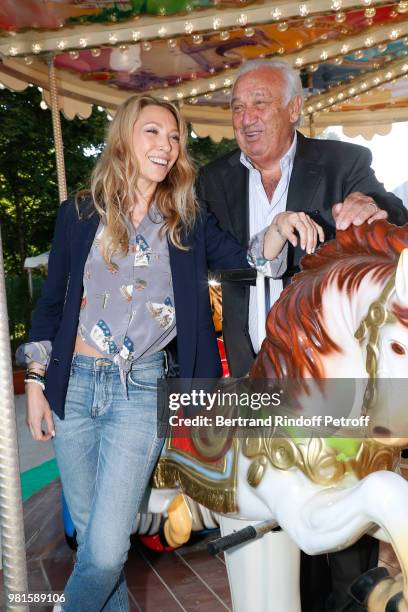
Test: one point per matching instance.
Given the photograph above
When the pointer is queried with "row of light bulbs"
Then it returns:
(325, 109)
(353, 93)
(368, 83)
(369, 42)
(382, 47)
(299, 62)
(347, 101)
(225, 83)
(312, 67)
(276, 14)
(325, 102)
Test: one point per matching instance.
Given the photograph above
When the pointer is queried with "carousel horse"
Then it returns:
(150, 527)
(344, 316)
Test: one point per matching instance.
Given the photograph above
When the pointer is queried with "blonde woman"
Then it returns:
(127, 278)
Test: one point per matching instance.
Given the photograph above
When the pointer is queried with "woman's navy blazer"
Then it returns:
(57, 312)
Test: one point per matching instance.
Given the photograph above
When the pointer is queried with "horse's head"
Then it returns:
(386, 330)
(346, 316)
(392, 357)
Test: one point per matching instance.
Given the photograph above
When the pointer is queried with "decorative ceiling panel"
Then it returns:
(351, 54)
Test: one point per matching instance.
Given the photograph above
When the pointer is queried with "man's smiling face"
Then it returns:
(263, 121)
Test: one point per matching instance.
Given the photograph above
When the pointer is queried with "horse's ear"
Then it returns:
(401, 278)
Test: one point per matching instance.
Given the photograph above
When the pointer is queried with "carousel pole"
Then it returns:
(56, 125)
(312, 131)
(11, 507)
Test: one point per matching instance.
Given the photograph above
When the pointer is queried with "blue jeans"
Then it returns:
(106, 449)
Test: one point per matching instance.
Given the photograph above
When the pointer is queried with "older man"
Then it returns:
(277, 169)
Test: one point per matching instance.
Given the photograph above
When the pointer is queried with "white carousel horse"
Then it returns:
(344, 316)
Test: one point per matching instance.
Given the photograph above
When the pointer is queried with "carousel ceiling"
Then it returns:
(352, 55)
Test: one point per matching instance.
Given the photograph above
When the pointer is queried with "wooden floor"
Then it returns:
(184, 580)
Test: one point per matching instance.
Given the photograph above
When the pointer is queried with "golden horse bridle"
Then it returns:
(378, 315)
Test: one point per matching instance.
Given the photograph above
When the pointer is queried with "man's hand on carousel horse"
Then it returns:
(356, 209)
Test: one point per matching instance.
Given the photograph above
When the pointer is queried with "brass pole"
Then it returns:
(312, 131)
(56, 125)
(11, 507)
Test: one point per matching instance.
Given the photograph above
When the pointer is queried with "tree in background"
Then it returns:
(204, 150)
(328, 134)
(28, 176)
(29, 189)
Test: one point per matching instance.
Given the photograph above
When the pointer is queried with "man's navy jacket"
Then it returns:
(57, 312)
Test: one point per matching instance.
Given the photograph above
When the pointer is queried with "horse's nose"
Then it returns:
(384, 432)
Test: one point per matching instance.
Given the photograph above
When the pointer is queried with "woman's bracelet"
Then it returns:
(35, 371)
(37, 382)
(34, 377)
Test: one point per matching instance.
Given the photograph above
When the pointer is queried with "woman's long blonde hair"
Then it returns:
(114, 181)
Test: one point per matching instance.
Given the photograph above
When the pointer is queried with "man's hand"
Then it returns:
(283, 228)
(355, 210)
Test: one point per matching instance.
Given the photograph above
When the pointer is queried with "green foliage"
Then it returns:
(154, 7)
(20, 307)
(328, 134)
(204, 150)
(29, 189)
(28, 177)
(134, 8)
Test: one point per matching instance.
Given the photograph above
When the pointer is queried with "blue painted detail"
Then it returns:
(198, 467)
(103, 326)
(128, 343)
(69, 526)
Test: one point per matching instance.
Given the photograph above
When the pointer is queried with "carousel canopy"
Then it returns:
(352, 55)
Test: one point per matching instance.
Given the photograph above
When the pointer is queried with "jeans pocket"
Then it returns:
(141, 380)
(80, 390)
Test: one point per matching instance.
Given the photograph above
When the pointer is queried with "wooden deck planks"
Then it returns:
(186, 580)
(167, 582)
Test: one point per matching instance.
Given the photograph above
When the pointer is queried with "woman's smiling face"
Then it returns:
(156, 144)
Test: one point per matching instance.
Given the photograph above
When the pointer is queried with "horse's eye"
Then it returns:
(398, 348)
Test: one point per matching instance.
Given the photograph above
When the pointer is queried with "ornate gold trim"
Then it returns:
(219, 496)
(376, 317)
(312, 456)
(315, 459)
(373, 457)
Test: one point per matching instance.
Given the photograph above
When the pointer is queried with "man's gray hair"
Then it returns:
(293, 84)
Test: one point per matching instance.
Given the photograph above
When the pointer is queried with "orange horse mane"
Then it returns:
(296, 336)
